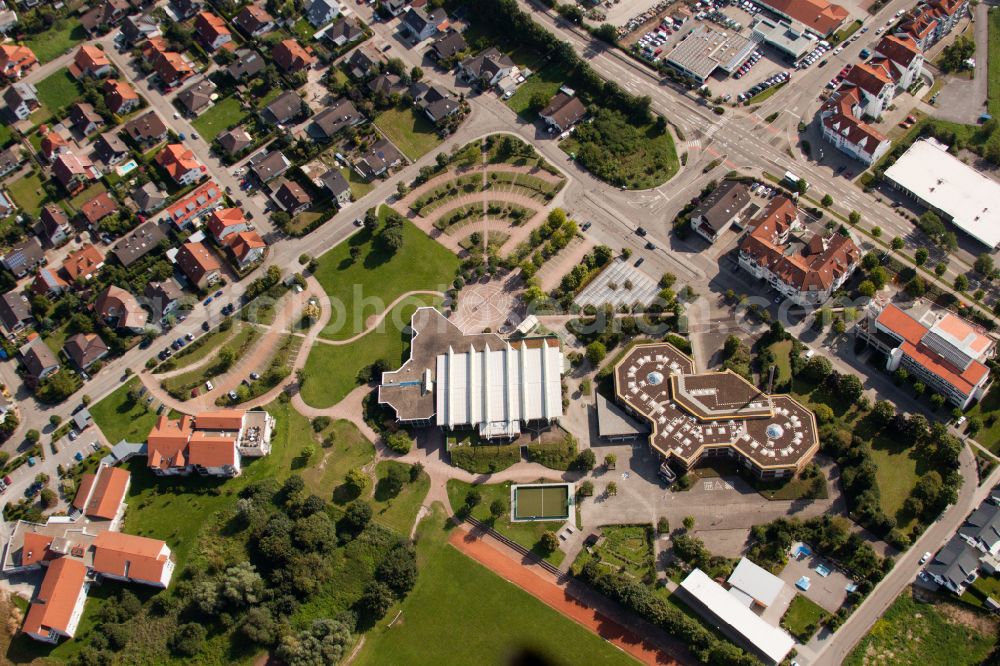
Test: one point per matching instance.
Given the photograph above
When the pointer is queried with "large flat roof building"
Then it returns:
(945, 184)
(478, 381)
(695, 416)
(704, 50)
(735, 619)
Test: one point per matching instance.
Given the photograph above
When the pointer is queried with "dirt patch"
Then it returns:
(981, 623)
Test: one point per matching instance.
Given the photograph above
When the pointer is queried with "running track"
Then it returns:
(558, 598)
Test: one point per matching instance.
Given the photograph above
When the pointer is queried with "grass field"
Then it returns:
(546, 82)
(57, 91)
(527, 533)
(224, 114)
(55, 41)
(398, 513)
(498, 621)
(764, 95)
(781, 360)
(409, 130)
(378, 277)
(86, 194)
(331, 371)
(119, 418)
(989, 406)
(912, 633)
(28, 193)
(802, 618)
(6, 135)
(897, 472)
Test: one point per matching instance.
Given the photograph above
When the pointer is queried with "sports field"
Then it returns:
(541, 502)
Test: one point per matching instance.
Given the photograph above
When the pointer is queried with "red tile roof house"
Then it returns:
(202, 201)
(58, 606)
(806, 272)
(874, 85)
(247, 247)
(943, 350)
(120, 96)
(131, 558)
(209, 443)
(199, 264)
(120, 309)
(180, 164)
(904, 58)
(842, 127)
(171, 67)
(90, 61)
(226, 222)
(15, 60)
(99, 207)
(291, 57)
(82, 264)
(212, 30)
(53, 143)
(74, 172)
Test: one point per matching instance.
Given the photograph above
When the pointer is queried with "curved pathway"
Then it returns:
(262, 351)
(374, 321)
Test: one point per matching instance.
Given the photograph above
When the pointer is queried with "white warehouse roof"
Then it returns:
(714, 599)
(759, 584)
(943, 182)
(495, 389)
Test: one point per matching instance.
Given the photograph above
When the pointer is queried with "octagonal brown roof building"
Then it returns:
(698, 415)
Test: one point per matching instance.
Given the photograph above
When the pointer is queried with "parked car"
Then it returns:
(926, 556)
(209, 386)
(78, 455)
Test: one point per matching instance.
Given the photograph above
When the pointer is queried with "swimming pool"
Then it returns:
(823, 570)
(803, 551)
(125, 168)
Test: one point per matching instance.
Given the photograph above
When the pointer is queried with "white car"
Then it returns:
(209, 387)
(926, 557)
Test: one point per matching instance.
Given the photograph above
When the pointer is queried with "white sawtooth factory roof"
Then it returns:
(945, 183)
(496, 389)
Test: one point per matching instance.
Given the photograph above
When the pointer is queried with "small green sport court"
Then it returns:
(550, 501)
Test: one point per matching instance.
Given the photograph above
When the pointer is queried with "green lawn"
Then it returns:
(488, 617)
(55, 41)
(224, 114)
(87, 194)
(547, 82)
(409, 130)
(120, 418)
(986, 410)
(379, 277)
(896, 473)
(525, 533)
(57, 91)
(331, 371)
(993, 64)
(918, 634)
(762, 96)
(625, 548)
(802, 618)
(398, 513)
(6, 135)
(359, 186)
(781, 360)
(985, 586)
(28, 193)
